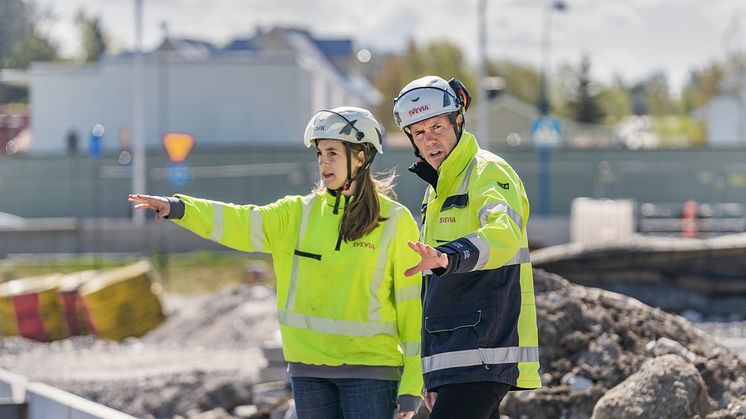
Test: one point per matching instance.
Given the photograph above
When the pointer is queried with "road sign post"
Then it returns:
(178, 145)
(546, 134)
(95, 149)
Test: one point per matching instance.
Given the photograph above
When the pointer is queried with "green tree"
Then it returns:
(521, 80)
(615, 101)
(658, 98)
(21, 42)
(703, 86)
(11, 27)
(584, 105)
(93, 39)
(440, 58)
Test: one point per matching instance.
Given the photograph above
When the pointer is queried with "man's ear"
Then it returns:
(459, 119)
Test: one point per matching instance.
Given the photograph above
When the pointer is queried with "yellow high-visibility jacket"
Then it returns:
(479, 312)
(346, 306)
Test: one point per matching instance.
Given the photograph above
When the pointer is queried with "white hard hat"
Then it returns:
(425, 98)
(346, 123)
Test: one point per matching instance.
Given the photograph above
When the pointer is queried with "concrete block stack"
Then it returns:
(122, 302)
(30, 307)
(73, 311)
(111, 304)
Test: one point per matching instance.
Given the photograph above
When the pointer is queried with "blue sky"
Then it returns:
(630, 38)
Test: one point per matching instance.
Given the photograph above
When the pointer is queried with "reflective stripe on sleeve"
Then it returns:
(482, 356)
(257, 230)
(499, 207)
(484, 250)
(218, 215)
(336, 327)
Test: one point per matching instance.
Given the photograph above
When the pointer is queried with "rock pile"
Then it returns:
(603, 355)
(601, 350)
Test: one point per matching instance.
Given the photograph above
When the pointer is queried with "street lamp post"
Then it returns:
(544, 107)
(482, 127)
(138, 140)
(543, 104)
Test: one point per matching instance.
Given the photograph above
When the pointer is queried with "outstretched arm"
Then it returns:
(160, 204)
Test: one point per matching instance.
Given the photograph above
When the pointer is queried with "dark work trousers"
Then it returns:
(344, 398)
(480, 400)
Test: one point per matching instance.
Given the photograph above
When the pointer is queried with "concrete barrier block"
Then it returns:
(12, 388)
(13, 411)
(48, 402)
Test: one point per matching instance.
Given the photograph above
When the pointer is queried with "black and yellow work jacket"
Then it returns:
(479, 316)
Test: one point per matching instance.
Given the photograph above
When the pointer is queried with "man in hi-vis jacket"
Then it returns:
(479, 337)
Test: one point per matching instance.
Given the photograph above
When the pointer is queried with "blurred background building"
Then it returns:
(244, 103)
(258, 91)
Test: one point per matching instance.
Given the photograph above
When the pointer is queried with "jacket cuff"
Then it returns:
(177, 208)
(452, 261)
(462, 257)
(409, 403)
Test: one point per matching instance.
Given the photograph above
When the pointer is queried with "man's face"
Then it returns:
(435, 138)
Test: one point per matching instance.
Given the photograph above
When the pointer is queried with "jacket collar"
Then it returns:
(456, 162)
(329, 198)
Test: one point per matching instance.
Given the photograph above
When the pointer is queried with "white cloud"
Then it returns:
(631, 38)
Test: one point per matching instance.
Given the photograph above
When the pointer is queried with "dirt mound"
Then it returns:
(206, 355)
(592, 340)
(236, 317)
(206, 358)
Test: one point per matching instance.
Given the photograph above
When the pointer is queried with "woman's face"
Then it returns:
(332, 160)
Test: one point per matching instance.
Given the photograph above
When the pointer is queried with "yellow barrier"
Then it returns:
(112, 304)
(121, 302)
(30, 307)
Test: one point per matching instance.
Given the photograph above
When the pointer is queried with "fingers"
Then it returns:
(425, 250)
(157, 203)
(414, 269)
(428, 405)
(431, 258)
(405, 415)
(429, 399)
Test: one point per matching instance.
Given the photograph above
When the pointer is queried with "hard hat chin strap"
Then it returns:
(370, 154)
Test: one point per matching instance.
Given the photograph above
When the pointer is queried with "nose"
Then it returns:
(429, 138)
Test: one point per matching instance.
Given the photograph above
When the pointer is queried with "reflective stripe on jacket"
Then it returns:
(479, 314)
(351, 306)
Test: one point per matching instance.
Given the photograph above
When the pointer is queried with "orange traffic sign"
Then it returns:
(178, 145)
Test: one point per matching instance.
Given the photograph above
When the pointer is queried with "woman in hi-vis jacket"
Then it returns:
(349, 316)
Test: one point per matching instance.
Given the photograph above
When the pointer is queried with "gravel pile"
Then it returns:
(205, 356)
(603, 355)
(594, 340)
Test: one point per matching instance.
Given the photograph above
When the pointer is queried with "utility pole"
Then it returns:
(482, 121)
(138, 141)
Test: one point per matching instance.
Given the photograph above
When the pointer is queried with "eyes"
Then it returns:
(435, 129)
(331, 153)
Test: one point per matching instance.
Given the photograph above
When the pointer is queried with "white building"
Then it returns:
(725, 115)
(260, 91)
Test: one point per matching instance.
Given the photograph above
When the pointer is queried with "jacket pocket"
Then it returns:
(452, 322)
(307, 254)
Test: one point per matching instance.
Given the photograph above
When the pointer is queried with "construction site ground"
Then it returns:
(602, 355)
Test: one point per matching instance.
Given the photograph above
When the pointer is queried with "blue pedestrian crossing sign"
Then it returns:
(546, 132)
(178, 174)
